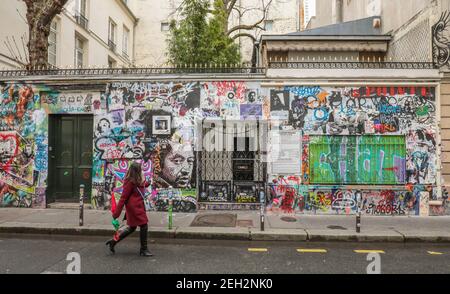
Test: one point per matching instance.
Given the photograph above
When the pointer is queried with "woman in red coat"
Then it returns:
(135, 213)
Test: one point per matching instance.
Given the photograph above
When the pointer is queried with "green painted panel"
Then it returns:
(357, 159)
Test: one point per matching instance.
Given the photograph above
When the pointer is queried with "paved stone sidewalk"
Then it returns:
(242, 226)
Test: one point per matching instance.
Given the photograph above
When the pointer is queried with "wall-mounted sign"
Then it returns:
(285, 153)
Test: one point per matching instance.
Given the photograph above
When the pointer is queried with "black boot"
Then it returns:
(112, 243)
(143, 235)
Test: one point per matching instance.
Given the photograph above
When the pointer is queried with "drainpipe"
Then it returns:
(255, 55)
(133, 61)
(338, 11)
(439, 143)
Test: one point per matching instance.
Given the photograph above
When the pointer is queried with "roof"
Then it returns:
(361, 29)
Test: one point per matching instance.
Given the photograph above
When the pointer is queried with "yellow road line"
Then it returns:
(435, 253)
(312, 250)
(369, 251)
(257, 249)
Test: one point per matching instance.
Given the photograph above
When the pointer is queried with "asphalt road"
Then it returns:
(47, 254)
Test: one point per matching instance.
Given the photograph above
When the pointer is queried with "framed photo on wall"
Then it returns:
(161, 125)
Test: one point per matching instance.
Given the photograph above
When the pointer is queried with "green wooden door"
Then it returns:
(70, 156)
(367, 160)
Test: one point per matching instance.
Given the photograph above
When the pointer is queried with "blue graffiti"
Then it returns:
(41, 160)
(389, 109)
(321, 114)
(303, 91)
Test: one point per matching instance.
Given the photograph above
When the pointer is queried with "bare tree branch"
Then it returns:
(244, 35)
(229, 5)
(254, 25)
(242, 10)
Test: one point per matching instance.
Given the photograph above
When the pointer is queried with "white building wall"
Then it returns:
(12, 23)
(394, 13)
(285, 15)
(97, 50)
(151, 41)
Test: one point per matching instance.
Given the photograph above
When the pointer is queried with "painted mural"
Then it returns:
(155, 122)
(365, 136)
(340, 200)
(18, 150)
(24, 111)
(368, 148)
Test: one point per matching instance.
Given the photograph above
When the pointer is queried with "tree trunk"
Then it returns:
(38, 46)
(40, 14)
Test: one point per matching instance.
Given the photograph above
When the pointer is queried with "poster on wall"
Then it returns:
(251, 111)
(424, 204)
(279, 100)
(161, 125)
(285, 156)
(68, 102)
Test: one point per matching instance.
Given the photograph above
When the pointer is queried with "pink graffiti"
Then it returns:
(9, 147)
(237, 88)
(119, 169)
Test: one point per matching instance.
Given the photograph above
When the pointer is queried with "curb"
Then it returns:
(298, 235)
(427, 239)
(373, 237)
(55, 231)
(279, 235)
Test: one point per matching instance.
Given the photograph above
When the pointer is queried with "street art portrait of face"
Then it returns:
(103, 128)
(177, 163)
(279, 100)
(251, 96)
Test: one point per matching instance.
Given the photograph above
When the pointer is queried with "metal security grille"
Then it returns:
(224, 171)
(377, 160)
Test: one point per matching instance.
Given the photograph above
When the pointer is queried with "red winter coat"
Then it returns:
(134, 205)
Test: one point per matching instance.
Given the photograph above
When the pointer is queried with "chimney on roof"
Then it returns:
(377, 23)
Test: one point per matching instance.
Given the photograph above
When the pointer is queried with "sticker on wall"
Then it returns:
(161, 125)
(424, 204)
(68, 102)
(251, 111)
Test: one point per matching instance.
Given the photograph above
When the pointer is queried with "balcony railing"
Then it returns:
(112, 45)
(82, 20)
(219, 69)
(350, 65)
(207, 70)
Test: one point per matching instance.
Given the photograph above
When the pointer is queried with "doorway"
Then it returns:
(70, 157)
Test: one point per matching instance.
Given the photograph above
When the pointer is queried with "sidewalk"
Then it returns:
(245, 225)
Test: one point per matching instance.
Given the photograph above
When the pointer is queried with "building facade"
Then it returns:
(297, 136)
(153, 28)
(307, 11)
(311, 141)
(419, 32)
(87, 33)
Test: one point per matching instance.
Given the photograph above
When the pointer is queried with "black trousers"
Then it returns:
(143, 232)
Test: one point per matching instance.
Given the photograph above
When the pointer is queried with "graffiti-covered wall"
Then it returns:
(24, 141)
(22, 166)
(155, 123)
(367, 147)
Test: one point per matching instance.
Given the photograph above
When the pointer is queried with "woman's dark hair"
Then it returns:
(134, 174)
